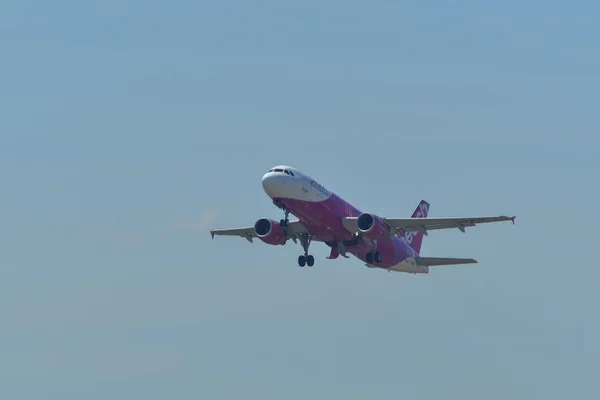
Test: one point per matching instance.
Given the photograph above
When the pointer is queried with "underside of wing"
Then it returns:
(249, 233)
(437, 261)
(296, 228)
(420, 224)
(401, 225)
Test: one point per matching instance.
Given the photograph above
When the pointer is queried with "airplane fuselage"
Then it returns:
(322, 213)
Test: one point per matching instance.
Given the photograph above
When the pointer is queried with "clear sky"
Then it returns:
(128, 129)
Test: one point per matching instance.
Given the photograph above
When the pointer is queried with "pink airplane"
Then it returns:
(387, 243)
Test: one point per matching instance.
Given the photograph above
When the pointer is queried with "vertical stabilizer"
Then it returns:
(415, 238)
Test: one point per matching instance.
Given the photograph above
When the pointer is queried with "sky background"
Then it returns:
(129, 129)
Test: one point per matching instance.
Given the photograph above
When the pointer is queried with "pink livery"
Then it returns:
(393, 244)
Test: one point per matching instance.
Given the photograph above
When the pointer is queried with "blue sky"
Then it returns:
(129, 129)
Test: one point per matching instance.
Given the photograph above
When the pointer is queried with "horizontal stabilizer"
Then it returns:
(436, 261)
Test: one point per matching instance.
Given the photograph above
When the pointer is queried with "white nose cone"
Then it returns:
(270, 184)
(279, 185)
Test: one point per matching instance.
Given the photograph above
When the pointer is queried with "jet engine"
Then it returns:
(372, 226)
(269, 232)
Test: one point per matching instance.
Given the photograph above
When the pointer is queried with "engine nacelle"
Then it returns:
(372, 226)
(269, 231)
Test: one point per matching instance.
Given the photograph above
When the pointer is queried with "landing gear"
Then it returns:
(377, 257)
(285, 222)
(306, 259)
(302, 261)
(374, 256)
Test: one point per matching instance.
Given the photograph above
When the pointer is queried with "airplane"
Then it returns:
(392, 244)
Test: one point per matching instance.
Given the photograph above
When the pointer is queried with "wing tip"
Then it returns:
(212, 234)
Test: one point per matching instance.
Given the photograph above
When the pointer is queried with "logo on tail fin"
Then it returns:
(421, 212)
(409, 236)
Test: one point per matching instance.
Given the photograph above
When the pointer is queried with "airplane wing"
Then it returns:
(249, 234)
(436, 261)
(400, 225)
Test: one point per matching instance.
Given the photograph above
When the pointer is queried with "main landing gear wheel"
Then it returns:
(376, 256)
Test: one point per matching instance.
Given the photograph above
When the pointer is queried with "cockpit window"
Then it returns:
(285, 171)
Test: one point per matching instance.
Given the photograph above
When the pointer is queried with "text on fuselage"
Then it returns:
(320, 188)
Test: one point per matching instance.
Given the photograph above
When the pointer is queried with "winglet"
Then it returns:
(513, 219)
(212, 233)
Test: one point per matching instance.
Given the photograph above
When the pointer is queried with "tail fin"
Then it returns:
(413, 238)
